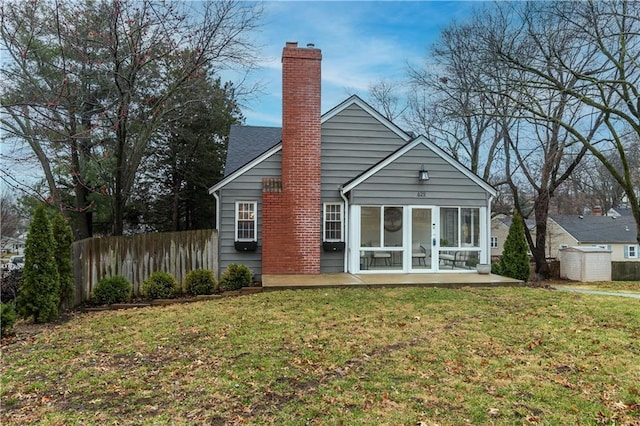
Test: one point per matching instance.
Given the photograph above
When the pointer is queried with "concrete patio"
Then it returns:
(447, 280)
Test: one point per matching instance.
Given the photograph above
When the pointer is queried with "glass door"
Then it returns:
(421, 239)
(382, 239)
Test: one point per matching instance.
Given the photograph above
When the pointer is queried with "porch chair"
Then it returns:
(420, 253)
(385, 255)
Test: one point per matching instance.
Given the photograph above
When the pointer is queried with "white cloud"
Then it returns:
(361, 43)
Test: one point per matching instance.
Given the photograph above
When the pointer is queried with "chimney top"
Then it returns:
(294, 44)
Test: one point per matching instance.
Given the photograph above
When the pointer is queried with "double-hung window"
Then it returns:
(333, 222)
(631, 252)
(246, 220)
(494, 242)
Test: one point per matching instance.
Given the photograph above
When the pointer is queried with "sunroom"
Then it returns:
(400, 223)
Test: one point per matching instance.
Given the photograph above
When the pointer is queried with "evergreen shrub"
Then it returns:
(159, 285)
(514, 262)
(40, 292)
(235, 277)
(63, 237)
(7, 319)
(112, 290)
(10, 283)
(200, 281)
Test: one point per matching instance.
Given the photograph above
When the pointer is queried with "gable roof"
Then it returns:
(599, 229)
(507, 220)
(356, 100)
(348, 186)
(246, 167)
(250, 145)
(248, 142)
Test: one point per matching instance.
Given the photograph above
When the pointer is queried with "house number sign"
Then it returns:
(422, 194)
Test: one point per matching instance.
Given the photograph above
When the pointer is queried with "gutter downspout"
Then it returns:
(346, 230)
(488, 243)
(216, 196)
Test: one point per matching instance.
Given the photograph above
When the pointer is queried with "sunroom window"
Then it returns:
(459, 227)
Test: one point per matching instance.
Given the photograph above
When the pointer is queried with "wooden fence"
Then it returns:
(136, 257)
(625, 271)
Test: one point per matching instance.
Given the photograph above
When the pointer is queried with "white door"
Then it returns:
(420, 250)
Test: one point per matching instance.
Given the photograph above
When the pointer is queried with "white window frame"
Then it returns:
(254, 209)
(630, 248)
(494, 242)
(325, 220)
(461, 244)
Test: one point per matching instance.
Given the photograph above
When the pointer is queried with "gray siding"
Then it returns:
(398, 183)
(247, 187)
(352, 141)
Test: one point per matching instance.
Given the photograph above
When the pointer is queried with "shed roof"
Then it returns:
(599, 229)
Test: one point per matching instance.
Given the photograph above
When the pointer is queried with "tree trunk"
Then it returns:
(538, 251)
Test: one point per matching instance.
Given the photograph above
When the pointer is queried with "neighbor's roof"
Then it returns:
(506, 220)
(599, 229)
(247, 143)
(622, 211)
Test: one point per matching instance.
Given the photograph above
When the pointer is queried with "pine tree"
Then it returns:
(63, 236)
(514, 262)
(40, 293)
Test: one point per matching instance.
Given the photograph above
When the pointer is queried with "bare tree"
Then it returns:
(90, 84)
(9, 216)
(602, 74)
(385, 97)
(494, 111)
(591, 185)
(447, 105)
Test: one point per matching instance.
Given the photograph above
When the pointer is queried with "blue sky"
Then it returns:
(361, 42)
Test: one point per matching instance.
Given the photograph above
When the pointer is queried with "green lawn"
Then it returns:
(335, 357)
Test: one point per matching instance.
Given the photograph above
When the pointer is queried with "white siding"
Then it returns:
(585, 264)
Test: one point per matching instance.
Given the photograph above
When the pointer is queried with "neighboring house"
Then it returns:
(13, 244)
(500, 225)
(346, 191)
(615, 233)
(620, 211)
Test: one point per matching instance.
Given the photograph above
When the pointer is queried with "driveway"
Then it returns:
(598, 292)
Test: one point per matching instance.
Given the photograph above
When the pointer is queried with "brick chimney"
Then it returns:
(291, 245)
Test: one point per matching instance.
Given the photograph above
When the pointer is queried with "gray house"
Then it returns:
(345, 191)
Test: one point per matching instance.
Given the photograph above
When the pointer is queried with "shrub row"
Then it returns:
(161, 285)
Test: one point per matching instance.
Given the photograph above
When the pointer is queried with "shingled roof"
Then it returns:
(599, 229)
(247, 143)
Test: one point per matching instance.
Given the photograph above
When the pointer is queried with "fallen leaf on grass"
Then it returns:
(565, 383)
(534, 343)
(620, 406)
